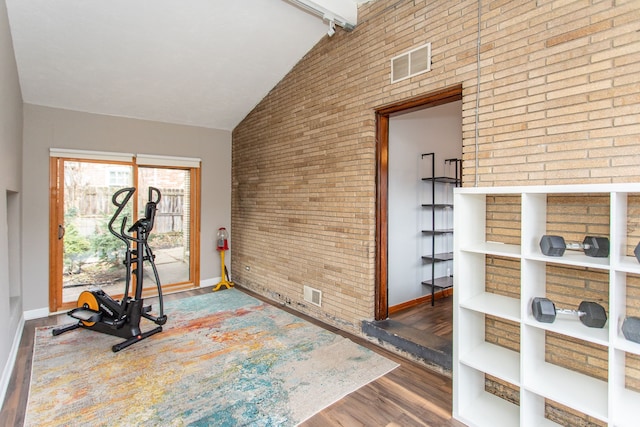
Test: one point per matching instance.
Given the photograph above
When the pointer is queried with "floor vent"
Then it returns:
(314, 296)
(412, 63)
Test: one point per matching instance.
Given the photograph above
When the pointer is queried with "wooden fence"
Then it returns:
(91, 206)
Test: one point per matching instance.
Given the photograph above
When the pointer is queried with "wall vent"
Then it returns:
(314, 296)
(412, 63)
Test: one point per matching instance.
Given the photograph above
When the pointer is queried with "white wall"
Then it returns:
(437, 129)
(10, 193)
(46, 127)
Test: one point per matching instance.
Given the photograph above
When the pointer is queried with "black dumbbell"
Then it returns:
(591, 245)
(631, 329)
(591, 314)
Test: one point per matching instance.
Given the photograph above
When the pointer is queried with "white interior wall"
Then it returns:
(10, 191)
(439, 130)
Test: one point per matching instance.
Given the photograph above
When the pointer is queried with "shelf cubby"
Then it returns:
(477, 352)
(568, 387)
(533, 410)
(628, 402)
(477, 405)
(625, 391)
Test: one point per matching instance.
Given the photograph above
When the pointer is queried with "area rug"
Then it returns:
(223, 359)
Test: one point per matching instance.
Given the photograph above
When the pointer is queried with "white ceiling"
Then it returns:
(196, 62)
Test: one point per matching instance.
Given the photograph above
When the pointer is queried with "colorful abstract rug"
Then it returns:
(223, 359)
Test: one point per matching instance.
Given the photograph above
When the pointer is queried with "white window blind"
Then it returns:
(155, 160)
(91, 155)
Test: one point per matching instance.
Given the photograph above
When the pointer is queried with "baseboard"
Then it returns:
(38, 313)
(11, 360)
(423, 299)
(209, 283)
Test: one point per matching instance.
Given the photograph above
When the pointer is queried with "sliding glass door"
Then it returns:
(85, 255)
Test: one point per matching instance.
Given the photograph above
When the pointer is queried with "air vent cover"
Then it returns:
(314, 296)
(412, 63)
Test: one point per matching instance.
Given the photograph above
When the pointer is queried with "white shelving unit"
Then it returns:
(527, 371)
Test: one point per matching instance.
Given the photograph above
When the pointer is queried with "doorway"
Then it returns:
(392, 310)
(85, 255)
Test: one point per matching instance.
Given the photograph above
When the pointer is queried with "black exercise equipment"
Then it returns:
(98, 311)
(591, 314)
(592, 246)
(631, 329)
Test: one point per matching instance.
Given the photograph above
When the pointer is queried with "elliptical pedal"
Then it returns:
(85, 314)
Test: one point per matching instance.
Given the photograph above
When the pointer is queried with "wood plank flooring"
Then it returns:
(428, 319)
(410, 395)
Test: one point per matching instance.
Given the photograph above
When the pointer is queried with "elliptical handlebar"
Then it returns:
(151, 208)
(150, 212)
(152, 191)
(121, 205)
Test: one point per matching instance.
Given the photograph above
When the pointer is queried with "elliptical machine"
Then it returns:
(98, 311)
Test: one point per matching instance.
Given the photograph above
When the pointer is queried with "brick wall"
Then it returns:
(559, 93)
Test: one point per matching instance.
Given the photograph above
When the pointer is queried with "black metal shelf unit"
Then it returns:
(434, 258)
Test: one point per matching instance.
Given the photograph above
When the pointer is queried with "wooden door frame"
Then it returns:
(55, 244)
(383, 114)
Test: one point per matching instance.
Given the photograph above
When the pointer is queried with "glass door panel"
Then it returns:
(92, 256)
(170, 238)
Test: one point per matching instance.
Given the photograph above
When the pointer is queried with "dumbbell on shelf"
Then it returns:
(592, 246)
(590, 313)
(636, 252)
(631, 329)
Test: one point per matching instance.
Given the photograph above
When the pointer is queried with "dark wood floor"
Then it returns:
(410, 395)
(419, 322)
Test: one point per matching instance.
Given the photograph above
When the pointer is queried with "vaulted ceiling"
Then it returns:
(196, 62)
